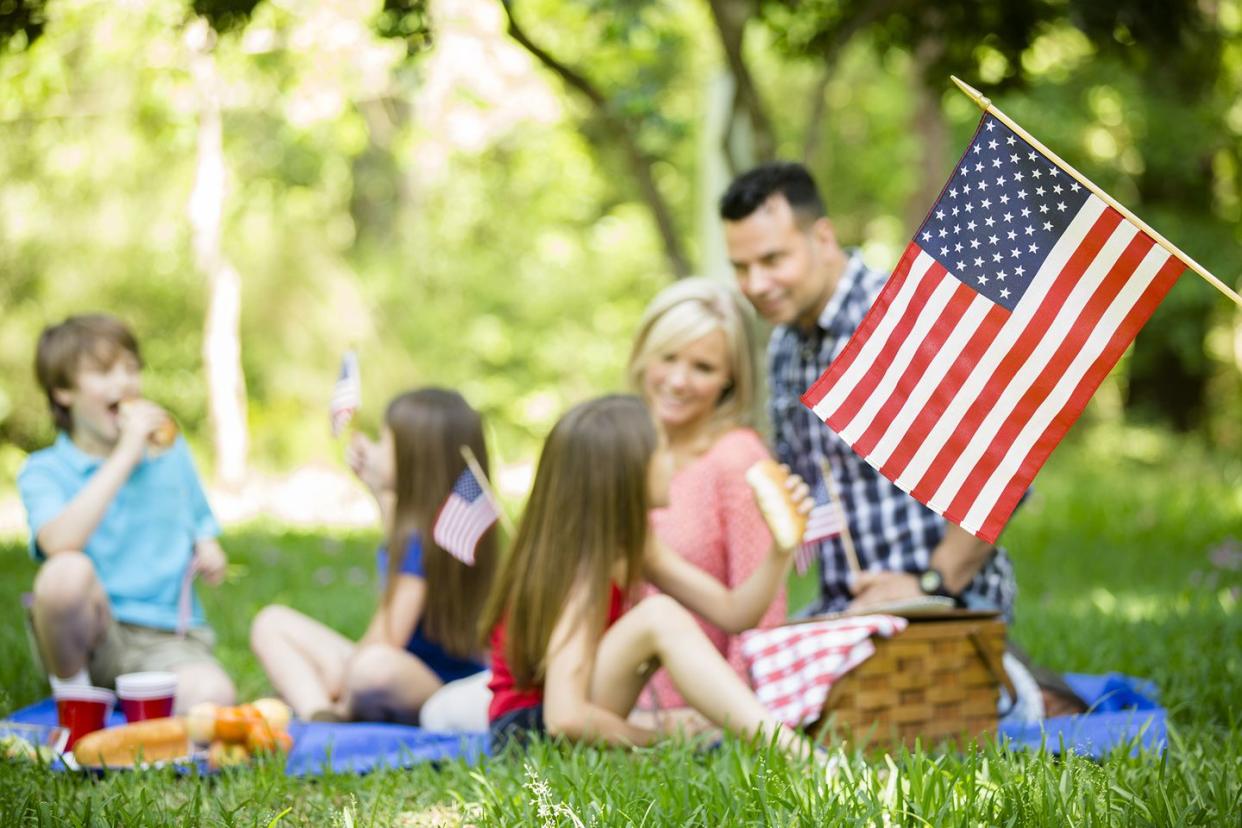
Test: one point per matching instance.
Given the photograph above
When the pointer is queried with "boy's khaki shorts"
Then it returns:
(128, 648)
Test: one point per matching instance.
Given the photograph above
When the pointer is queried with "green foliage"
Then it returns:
(225, 15)
(511, 256)
(21, 23)
(408, 21)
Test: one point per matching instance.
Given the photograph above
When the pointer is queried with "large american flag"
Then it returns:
(465, 516)
(346, 394)
(1008, 308)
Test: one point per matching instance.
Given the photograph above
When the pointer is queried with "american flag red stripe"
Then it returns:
(959, 399)
(467, 513)
(825, 521)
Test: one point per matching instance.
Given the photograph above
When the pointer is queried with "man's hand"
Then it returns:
(209, 561)
(879, 587)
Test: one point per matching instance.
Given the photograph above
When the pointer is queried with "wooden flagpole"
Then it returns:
(985, 104)
(847, 540)
(467, 454)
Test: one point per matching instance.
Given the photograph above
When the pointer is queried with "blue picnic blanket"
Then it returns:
(1122, 712)
(321, 747)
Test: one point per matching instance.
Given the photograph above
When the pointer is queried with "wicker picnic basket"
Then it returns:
(938, 680)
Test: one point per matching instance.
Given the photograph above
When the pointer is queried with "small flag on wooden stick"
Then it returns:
(470, 510)
(826, 520)
(346, 394)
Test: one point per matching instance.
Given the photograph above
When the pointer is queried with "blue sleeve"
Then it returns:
(43, 498)
(412, 564)
(205, 525)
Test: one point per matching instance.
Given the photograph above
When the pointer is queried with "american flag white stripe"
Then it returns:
(928, 315)
(958, 393)
(916, 399)
(824, 521)
(1047, 336)
(467, 513)
(1055, 403)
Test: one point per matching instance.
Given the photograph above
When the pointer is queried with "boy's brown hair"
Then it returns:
(97, 338)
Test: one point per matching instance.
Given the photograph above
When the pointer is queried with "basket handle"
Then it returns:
(994, 664)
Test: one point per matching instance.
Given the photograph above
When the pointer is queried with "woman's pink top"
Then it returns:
(713, 522)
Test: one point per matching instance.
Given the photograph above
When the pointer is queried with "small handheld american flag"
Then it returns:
(825, 521)
(346, 394)
(465, 516)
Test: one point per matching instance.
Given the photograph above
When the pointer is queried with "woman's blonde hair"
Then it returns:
(688, 310)
(587, 511)
(429, 426)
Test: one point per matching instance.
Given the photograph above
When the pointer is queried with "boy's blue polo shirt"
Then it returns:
(146, 538)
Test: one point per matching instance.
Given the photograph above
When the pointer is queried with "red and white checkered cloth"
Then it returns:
(792, 668)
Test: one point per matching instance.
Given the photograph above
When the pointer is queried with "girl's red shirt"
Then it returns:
(506, 695)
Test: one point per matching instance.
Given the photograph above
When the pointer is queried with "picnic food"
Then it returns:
(200, 722)
(163, 436)
(275, 712)
(152, 740)
(236, 733)
(767, 480)
(225, 755)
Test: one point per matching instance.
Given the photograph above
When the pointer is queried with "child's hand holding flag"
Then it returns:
(346, 394)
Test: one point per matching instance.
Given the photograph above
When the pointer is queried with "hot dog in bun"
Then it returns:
(767, 479)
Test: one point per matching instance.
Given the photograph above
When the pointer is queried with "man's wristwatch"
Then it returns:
(931, 582)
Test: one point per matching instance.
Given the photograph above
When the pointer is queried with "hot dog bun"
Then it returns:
(152, 740)
(767, 479)
(164, 435)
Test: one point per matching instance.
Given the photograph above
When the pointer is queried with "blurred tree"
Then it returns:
(1174, 47)
(619, 115)
(21, 22)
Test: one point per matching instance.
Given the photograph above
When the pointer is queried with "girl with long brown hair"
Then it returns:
(567, 658)
(423, 632)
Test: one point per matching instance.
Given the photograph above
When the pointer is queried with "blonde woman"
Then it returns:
(693, 364)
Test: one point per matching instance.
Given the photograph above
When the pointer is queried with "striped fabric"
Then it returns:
(1014, 300)
(792, 668)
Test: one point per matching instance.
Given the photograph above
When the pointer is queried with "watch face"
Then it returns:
(930, 581)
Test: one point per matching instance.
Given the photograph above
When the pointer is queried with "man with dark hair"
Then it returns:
(789, 264)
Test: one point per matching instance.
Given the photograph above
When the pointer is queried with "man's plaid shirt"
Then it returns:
(891, 530)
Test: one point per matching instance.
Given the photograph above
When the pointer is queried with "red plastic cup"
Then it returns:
(82, 710)
(146, 695)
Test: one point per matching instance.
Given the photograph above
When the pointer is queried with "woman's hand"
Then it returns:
(799, 496)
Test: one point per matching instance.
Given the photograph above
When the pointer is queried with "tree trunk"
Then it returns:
(730, 17)
(226, 385)
(622, 131)
(929, 125)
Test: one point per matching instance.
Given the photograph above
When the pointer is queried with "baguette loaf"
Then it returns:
(767, 480)
(152, 740)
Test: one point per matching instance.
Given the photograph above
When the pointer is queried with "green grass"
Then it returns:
(1115, 561)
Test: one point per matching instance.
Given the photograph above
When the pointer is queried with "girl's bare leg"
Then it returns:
(661, 632)
(304, 659)
(386, 683)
